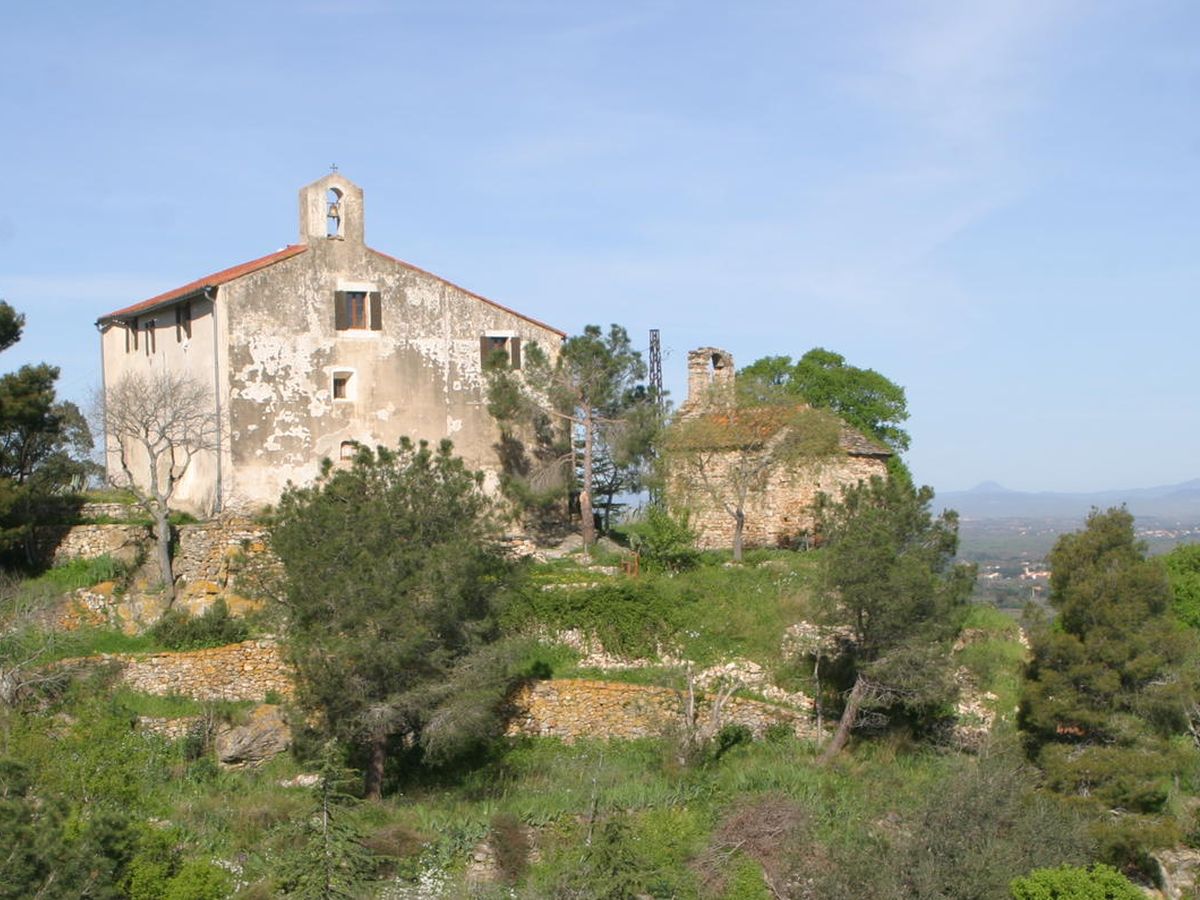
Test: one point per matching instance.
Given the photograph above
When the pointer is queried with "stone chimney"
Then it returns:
(710, 380)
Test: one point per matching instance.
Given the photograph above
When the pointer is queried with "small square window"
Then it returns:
(341, 386)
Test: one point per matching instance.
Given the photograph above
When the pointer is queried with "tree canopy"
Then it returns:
(1183, 573)
(390, 577)
(44, 442)
(592, 387)
(822, 378)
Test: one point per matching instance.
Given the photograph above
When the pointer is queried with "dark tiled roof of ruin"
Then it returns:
(754, 426)
(856, 443)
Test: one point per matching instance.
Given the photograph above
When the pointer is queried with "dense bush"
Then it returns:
(664, 542)
(1072, 883)
(1183, 571)
(178, 630)
(629, 617)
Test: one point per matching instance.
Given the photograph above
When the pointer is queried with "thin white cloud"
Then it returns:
(964, 70)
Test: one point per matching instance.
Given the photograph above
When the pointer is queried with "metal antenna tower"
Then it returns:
(656, 384)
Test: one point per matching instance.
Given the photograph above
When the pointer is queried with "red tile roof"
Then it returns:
(225, 275)
(479, 297)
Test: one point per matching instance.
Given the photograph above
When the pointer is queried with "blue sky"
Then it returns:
(995, 204)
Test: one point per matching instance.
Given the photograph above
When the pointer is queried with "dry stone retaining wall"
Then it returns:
(247, 671)
(207, 554)
(90, 541)
(572, 708)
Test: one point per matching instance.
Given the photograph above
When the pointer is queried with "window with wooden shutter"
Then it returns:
(376, 311)
(515, 344)
(350, 310)
(340, 320)
(183, 322)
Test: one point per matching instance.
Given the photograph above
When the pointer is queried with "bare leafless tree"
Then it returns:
(156, 425)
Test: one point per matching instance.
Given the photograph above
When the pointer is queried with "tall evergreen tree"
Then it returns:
(889, 576)
(1112, 681)
(390, 575)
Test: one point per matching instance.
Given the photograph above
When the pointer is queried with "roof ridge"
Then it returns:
(217, 278)
(469, 293)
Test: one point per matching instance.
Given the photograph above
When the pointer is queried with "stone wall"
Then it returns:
(203, 551)
(247, 671)
(572, 708)
(775, 516)
(209, 556)
(121, 512)
(123, 542)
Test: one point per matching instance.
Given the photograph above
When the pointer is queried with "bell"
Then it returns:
(334, 211)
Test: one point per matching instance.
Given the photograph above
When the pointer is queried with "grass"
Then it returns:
(73, 575)
(173, 706)
(996, 660)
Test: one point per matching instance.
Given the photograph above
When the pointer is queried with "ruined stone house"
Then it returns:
(322, 344)
(779, 506)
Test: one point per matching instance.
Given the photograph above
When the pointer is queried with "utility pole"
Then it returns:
(656, 389)
(656, 382)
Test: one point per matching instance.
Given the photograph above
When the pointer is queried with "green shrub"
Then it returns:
(665, 542)
(177, 630)
(81, 573)
(198, 880)
(630, 617)
(1073, 883)
(1183, 571)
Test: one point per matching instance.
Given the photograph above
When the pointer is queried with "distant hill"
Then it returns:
(989, 500)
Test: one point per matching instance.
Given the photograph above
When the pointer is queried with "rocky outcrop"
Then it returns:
(263, 735)
(1178, 872)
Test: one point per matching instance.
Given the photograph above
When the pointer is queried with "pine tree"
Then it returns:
(331, 863)
(1112, 682)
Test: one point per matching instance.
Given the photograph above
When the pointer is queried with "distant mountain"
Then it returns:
(989, 500)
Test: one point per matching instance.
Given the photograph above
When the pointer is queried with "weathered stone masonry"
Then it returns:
(572, 708)
(250, 670)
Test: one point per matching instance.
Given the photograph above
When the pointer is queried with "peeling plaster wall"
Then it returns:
(420, 376)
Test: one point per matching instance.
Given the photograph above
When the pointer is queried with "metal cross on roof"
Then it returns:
(333, 168)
